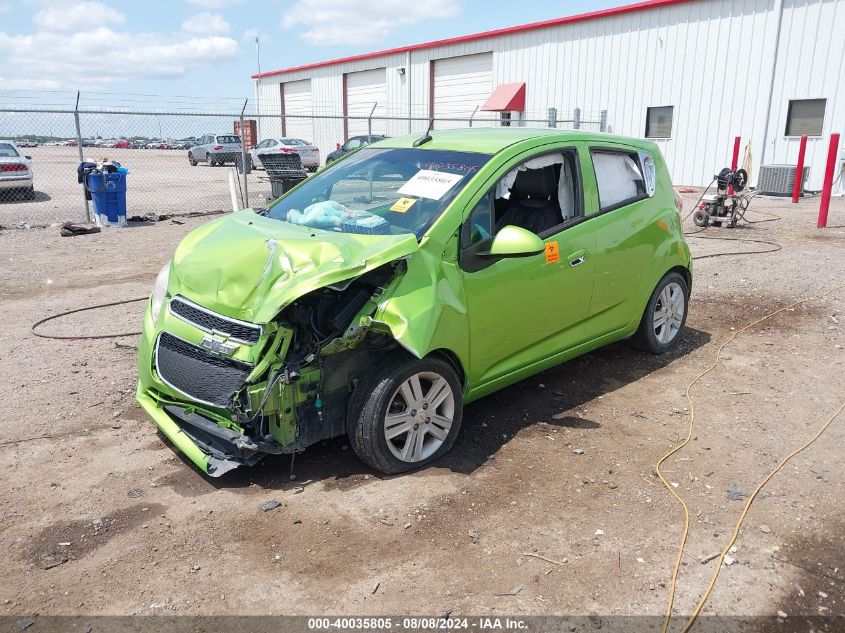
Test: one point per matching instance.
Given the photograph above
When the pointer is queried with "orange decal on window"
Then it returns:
(552, 253)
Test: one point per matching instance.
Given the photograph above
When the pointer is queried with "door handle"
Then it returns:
(577, 258)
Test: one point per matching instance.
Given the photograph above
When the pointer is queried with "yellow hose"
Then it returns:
(683, 541)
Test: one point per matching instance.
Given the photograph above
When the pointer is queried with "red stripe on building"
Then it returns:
(570, 19)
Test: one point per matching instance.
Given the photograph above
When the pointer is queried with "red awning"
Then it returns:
(506, 97)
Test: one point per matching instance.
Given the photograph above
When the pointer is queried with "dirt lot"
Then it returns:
(145, 533)
(160, 181)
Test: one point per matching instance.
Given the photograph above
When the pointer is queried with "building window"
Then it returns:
(658, 122)
(805, 117)
(505, 119)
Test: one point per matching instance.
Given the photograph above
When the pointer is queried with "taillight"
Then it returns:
(217, 148)
(287, 150)
(14, 167)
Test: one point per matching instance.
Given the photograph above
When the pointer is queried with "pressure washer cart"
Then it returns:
(726, 205)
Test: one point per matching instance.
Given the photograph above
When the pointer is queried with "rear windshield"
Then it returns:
(8, 151)
(229, 139)
(293, 141)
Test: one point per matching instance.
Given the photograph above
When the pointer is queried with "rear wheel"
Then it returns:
(700, 218)
(406, 414)
(665, 315)
(208, 160)
(192, 160)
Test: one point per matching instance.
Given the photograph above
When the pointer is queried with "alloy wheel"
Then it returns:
(419, 416)
(669, 313)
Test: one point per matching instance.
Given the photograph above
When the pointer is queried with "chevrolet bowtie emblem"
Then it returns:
(216, 346)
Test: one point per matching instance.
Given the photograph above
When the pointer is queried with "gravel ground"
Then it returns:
(147, 534)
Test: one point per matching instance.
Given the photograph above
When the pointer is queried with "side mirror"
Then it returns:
(514, 241)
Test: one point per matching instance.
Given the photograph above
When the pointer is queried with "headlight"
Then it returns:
(159, 291)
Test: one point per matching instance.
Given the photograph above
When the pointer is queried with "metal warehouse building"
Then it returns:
(691, 74)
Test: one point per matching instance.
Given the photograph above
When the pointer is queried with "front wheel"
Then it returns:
(406, 414)
(700, 218)
(664, 317)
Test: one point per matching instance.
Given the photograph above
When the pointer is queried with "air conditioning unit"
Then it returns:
(779, 180)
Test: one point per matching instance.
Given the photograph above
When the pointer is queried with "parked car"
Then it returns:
(122, 144)
(15, 172)
(354, 143)
(216, 149)
(158, 145)
(25, 142)
(383, 293)
(309, 154)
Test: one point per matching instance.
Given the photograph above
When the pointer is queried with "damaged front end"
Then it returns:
(227, 391)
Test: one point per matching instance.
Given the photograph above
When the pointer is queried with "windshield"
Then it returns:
(380, 191)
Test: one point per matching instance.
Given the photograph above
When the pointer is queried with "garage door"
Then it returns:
(461, 84)
(298, 121)
(364, 90)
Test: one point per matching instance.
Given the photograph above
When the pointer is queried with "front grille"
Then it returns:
(210, 322)
(196, 373)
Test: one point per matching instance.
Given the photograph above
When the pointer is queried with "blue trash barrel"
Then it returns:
(109, 197)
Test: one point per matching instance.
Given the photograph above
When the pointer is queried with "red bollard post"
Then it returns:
(799, 171)
(828, 180)
(734, 162)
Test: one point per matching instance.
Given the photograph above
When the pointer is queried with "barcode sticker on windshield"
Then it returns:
(429, 184)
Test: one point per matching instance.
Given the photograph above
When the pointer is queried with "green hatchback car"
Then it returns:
(416, 275)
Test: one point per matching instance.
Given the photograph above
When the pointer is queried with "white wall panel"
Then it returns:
(461, 84)
(366, 92)
(715, 61)
(298, 109)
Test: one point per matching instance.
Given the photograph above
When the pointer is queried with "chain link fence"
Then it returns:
(154, 146)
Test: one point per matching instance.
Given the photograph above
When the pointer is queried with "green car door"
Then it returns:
(522, 310)
(633, 230)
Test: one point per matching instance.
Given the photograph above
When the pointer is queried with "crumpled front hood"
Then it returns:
(248, 267)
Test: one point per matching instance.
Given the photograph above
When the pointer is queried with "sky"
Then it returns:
(206, 48)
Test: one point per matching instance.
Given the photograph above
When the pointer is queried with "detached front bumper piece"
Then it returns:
(214, 449)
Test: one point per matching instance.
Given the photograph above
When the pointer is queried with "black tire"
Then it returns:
(646, 338)
(208, 159)
(192, 160)
(369, 406)
(700, 218)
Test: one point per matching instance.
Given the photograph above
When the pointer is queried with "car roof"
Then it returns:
(493, 140)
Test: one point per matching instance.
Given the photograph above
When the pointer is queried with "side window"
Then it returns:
(479, 226)
(352, 143)
(542, 194)
(619, 178)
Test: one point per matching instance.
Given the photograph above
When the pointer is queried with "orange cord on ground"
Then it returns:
(685, 534)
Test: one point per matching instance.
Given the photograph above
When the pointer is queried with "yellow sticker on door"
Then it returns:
(552, 253)
(403, 204)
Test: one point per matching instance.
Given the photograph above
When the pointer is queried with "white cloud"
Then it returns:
(141, 56)
(29, 84)
(205, 22)
(213, 4)
(328, 22)
(74, 16)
